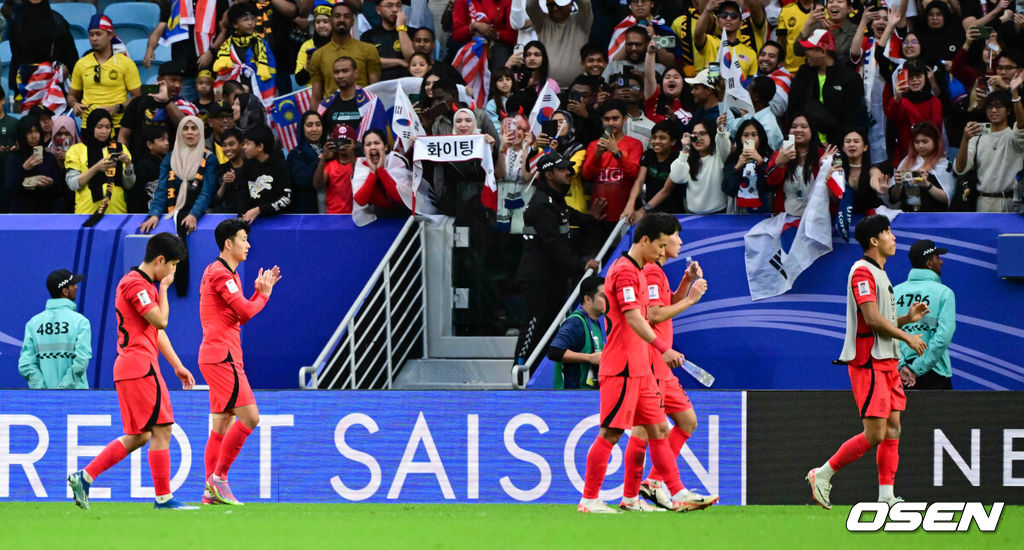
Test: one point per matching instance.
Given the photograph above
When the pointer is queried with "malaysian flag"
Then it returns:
(176, 30)
(619, 36)
(44, 87)
(471, 62)
(285, 114)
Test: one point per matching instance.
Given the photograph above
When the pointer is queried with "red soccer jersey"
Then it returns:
(223, 309)
(862, 285)
(659, 294)
(625, 353)
(137, 350)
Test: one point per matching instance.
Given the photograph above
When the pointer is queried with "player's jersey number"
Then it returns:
(907, 300)
(56, 327)
(120, 328)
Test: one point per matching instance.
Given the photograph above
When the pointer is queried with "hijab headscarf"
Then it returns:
(471, 114)
(186, 161)
(26, 125)
(96, 149)
(63, 122)
(568, 145)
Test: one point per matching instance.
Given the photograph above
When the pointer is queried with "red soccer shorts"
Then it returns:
(628, 401)
(144, 402)
(877, 392)
(229, 387)
(676, 399)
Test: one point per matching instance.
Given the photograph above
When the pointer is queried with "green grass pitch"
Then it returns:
(422, 526)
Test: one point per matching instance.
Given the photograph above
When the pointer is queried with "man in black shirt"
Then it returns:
(341, 107)
(548, 263)
(391, 37)
(163, 109)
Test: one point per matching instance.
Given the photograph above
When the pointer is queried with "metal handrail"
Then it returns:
(520, 373)
(313, 370)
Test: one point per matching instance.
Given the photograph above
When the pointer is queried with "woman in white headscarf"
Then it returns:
(187, 179)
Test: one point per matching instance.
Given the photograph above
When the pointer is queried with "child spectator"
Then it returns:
(653, 178)
(264, 186)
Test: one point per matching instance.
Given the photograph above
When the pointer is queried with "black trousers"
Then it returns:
(933, 381)
(543, 300)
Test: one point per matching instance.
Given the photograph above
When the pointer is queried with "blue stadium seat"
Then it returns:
(82, 45)
(79, 32)
(148, 76)
(76, 13)
(161, 54)
(133, 21)
(101, 5)
(5, 52)
(137, 50)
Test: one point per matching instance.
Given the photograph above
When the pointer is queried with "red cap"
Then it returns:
(820, 38)
(343, 131)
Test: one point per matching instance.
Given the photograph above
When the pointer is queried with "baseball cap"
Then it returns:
(343, 131)
(727, 5)
(172, 68)
(922, 250)
(820, 38)
(61, 279)
(701, 78)
(915, 65)
(559, 3)
(552, 160)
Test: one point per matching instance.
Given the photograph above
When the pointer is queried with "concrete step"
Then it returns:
(455, 374)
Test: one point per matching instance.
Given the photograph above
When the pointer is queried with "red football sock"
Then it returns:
(160, 467)
(633, 464)
(110, 455)
(853, 449)
(676, 439)
(233, 441)
(597, 465)
(212, 452)
(888, 457)
(665, 462)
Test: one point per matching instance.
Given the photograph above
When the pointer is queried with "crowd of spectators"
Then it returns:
(919, 100)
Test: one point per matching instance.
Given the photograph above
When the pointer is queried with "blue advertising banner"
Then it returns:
(325, 261)
(393, 446)
(789, 341)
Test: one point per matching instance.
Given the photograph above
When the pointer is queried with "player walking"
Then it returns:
(629, 392)
(223, 309)
(664, 306)
(142, 315)
(872, 352)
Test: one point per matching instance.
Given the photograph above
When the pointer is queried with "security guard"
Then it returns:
(931, 371)
(548, 264)
(58, 341)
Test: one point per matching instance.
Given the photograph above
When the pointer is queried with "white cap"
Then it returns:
(559, 3)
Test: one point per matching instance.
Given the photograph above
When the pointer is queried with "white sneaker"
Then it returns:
(820, 489)
(891, 500)
(655, 491)
(688, 501)
(638, 505)
(594, 506)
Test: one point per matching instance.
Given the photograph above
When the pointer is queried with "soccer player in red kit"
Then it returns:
(629, 392)
(664, 306)
(142, 313)
(223, 309)
(872, 352)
